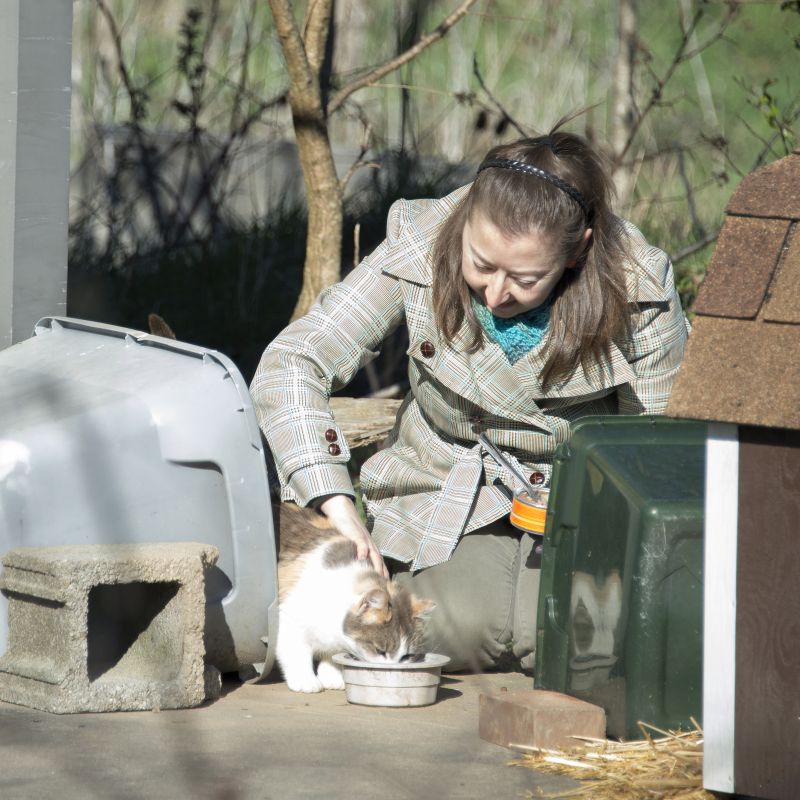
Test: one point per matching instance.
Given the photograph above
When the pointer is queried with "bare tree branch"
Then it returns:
(137, 112)
(315, 33)
(357, 244)
(241, 84)
(663, 200)
(690, 204)
(695, 247)
(366, 140)
(477, 72)
(658, 90)
(682, 53)
(668, 150)
(375, 75)
(468, 96)
(303, 83)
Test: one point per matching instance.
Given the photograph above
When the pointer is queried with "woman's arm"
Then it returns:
(310, 359)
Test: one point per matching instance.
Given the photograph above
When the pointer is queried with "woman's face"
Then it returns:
(510, 275)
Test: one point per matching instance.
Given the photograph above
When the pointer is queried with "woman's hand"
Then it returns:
(341, 512)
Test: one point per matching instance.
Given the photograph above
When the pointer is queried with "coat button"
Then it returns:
(331, 435)
(334, 449)
(536, 478)
(427, 349)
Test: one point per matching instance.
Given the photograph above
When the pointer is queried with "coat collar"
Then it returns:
(609, 370)
(412, 229)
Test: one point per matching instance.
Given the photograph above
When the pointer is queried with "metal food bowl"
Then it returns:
(409, 683)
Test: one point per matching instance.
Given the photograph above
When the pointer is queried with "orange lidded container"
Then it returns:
(529, 510)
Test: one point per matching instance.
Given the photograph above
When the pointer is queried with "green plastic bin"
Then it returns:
(620, 600)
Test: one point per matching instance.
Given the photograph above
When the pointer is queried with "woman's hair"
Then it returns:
(590, 301)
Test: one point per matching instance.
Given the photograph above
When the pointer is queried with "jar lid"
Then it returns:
(528, 516)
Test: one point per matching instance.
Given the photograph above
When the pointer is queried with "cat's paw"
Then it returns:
(308, 685)
(330, 675)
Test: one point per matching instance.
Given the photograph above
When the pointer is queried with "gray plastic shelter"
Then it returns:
(109, 435)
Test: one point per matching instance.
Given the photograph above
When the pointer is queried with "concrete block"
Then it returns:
(537, 718)
(107, 627)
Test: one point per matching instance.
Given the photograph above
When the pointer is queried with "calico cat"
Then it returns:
(330, 602)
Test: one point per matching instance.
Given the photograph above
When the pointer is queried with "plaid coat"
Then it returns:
(433, 482)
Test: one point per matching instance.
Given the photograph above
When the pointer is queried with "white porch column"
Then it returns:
(35, 67)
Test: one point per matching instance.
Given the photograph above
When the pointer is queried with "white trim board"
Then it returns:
(719, 604)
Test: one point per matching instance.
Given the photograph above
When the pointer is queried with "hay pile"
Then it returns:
(670, 766)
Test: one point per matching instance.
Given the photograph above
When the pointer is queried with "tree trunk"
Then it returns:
(325, 212)
(304, 60)
(624, 116)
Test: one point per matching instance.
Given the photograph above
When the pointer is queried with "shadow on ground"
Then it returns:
(265, 742)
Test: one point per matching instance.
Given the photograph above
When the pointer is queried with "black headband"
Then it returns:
(521, 166)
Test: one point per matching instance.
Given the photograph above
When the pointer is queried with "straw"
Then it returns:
(668, 766)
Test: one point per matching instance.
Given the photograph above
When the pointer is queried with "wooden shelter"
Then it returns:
(741, 373)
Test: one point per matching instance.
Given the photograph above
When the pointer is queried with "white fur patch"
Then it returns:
(311, 620)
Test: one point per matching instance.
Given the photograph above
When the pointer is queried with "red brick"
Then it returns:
(536, 718)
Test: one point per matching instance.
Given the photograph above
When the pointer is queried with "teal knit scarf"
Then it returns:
(516, 335)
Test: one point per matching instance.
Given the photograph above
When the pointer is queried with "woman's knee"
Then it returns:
(471, 640)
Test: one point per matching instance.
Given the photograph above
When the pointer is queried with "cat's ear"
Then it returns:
(421, 609)
(374, 598)
(374, 606)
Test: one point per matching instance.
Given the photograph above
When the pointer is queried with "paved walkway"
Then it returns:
(267, 743)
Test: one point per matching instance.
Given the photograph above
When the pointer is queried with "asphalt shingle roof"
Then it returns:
(742, 361)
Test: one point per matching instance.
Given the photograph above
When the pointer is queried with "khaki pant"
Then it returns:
(486, 597)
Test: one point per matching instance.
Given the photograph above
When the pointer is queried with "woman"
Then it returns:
(528, 305)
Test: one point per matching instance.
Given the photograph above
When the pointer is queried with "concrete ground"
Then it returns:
(267, 743)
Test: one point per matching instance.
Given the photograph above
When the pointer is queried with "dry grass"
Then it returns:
(668, 767)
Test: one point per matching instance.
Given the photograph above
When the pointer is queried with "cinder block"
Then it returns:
(537, 718)
(107, 627)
